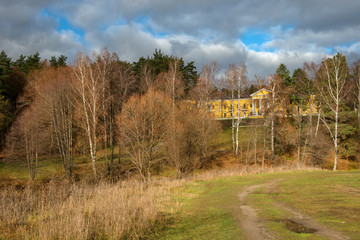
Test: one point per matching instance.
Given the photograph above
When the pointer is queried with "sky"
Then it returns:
(261, 33)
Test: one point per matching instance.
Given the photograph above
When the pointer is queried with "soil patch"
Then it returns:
(296, 227)
(249, 221)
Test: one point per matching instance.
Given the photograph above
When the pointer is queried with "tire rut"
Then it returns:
(254, 225)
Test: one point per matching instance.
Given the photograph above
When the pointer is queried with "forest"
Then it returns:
(142, 109)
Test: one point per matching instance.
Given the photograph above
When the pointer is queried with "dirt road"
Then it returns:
(254, 226)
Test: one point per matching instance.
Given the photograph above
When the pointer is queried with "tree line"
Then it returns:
(332, 86)
(100, 102)
(155, 111)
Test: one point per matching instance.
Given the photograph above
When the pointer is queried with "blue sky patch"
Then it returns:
(64, 24)
(255, 38)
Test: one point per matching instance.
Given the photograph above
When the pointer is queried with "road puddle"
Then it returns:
(296, 227)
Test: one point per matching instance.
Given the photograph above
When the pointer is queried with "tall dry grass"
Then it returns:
(242, 170)
(126, 210)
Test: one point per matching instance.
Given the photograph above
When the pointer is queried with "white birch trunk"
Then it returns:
(255, 146)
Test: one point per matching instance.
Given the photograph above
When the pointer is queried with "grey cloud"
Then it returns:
(198, 30)
(218, 20)
(128, 41)
(25, 30)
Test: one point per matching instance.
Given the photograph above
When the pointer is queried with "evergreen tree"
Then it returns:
(159, 63)
(32, 62)
(5, 69)
(58, 62)
(190, 76)
(285, 74)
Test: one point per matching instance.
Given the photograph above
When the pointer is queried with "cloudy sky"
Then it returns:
(262, 33)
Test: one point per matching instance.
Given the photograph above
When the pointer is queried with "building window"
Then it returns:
(224, 115)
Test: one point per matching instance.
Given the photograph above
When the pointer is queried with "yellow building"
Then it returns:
(253, 107)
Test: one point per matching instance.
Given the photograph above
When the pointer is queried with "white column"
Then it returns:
(253, 106)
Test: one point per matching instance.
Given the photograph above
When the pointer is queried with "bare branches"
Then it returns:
(331, 80)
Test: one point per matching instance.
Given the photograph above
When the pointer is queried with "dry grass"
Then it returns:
(103, 211)
(124, 210)
(241, 170)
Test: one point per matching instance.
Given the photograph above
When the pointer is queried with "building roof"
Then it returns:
(260, 92)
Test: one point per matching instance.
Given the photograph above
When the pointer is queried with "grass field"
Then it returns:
(211, 208)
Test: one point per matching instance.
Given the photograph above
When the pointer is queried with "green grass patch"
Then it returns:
(207, 212)
(210, 208)
(331, 198)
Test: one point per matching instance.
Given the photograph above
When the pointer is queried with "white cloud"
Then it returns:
(197, 30)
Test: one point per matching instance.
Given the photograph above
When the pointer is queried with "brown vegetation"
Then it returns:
(124, 210)
(56, 210)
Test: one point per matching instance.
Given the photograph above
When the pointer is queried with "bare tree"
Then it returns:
(87, 84)
(102, 65)
(30, 135)
(190, 138)
(56, 97)
(142, 130)
(240, 73)
(122, 85)
(230, 83)
(265, 120)
(202, 94)
(274, 85)
(331, 80)
(279, 106)
(171, 83)
(356, 76)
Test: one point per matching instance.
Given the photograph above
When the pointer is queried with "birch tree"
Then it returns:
(240, 73)
(230, 83)
(331, 80)
(88, 86)
(279, 103)
(274, 85)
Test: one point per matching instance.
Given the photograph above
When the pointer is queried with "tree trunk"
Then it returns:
(248, 153)
(299, 138)
(237, 137)
(111, 136)
(264, 151)
(318, 123)
(272, 136)
(336, 136)
(232, 121)
(255, 146)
